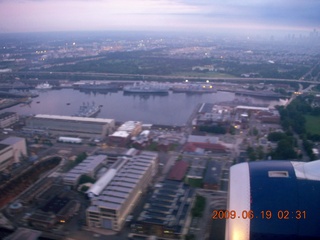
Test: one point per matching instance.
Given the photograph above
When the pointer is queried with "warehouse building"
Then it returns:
(6, 156)
(212, 176)
(71, 126)
(166, 213)
(19, 147)
(8, 118)
(12, 149)
(88, 167)
(124, 133)
(178, 171)
(115, 194)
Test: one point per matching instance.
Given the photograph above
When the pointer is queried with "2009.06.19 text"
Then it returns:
(265, 214)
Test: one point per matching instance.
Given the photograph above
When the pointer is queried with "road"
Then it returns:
(154, 77)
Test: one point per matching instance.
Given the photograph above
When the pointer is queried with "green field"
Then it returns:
(312, 124)
(196, 183)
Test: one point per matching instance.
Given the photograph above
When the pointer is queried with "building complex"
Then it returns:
(115, 194)
(8, 118)
(71, 126)
(88, 167)
(125, 132)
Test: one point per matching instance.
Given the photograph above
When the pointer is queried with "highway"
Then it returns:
(152, 77)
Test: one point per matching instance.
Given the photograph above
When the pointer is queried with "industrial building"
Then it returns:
(19, 147)
(212, 175)
(210, 113)
(201, 144)
(125, 132)
(166, 213)
(8, 118)
(6, 156)
(11, 150)
(116, 193)
(24, 233)
(88, 167)
(132, 127)
(178, 171)
(58, 209)
(71, 126)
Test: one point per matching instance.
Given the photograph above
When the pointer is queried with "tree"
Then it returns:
(284, 150)
(255, 131)
(198, 207)
(251, 154)
(190, 237)
(84, 188)
(85, 179)
(213, 129)
(276, 136)
(82, 156)
(260, 153)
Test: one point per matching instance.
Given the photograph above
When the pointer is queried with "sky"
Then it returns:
(158, 15)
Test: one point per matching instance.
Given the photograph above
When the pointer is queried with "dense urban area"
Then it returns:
(82, 176)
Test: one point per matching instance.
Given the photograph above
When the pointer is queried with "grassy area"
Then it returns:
(312, 124)
(196, 183)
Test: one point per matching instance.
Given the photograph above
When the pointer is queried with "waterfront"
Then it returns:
(171, 109)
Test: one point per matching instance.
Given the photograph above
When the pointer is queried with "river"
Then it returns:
(171, 109)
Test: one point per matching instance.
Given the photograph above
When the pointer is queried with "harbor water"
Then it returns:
(172, 109)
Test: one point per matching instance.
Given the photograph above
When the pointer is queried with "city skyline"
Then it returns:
(158, 15)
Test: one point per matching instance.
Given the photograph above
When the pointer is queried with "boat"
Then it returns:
(147, 88)
(194, 88)
(44, 86)
(99, 87)
(87, 110)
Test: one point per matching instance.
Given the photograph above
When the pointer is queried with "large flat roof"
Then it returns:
(109, 205)
(120, 134)
(178, 171)
(24, 233)
(7, 114)
(87, 166)
(123, 181)
(3, 146)
(252, 108)
(129, 126)
(73, 118)
(202, 139)
(213, 172)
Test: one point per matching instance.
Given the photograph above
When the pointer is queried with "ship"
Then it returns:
(44, 86)
(87, 110)
(98, 87)
(146, 88)
(193, 88)
(260, 94)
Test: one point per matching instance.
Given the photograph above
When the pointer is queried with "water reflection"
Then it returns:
(171, 109)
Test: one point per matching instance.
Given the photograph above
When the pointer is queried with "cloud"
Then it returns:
(40, 15)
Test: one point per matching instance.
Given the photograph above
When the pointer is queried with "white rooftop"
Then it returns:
(202, 139)
(128, 126)
(73, 118)
(121, 134)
